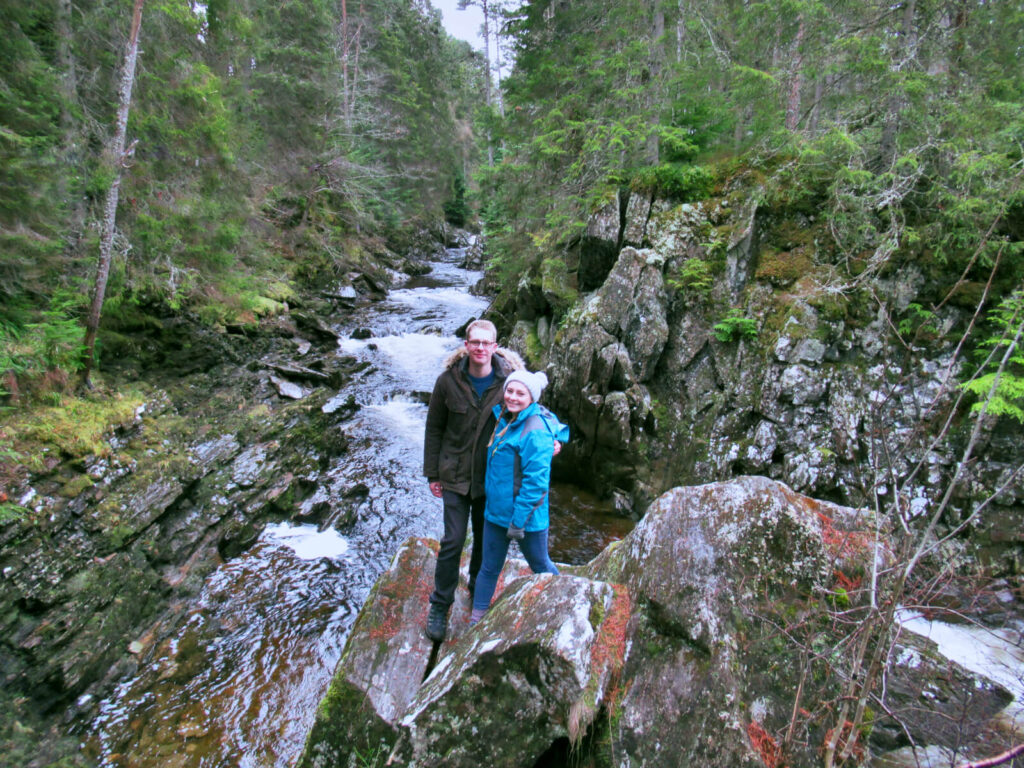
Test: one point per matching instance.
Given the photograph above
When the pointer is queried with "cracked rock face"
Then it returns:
(665, 650)
(822, 395)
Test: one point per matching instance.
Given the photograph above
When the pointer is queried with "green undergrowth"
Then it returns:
(70, 427)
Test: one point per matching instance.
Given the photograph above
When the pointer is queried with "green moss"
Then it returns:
(781, 268)
(71, 427)
(534, 349)
(557, 284)
(75, 486)
(346, 725)
(118, 534)
(832, 306)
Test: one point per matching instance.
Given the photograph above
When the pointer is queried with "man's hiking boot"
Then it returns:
(437, 623)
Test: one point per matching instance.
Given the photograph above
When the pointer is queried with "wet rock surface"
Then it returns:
(818, 392)
(211, 459)
(665, 650)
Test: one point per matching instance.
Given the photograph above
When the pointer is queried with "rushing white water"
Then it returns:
(997, 654)
(404, 417)
(306, 541)
(417, 357)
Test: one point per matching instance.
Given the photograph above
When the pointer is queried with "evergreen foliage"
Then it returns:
(900, 125)
(734, 327)
(999, 384)
(252, 166)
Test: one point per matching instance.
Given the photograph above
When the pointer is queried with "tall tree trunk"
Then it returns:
(345, 46)
(115, 157)
(487, 77)
(488, 99)
(796, 81)
(69, 96)
(496, 10)
(959, 16)
(894, 104)
(812, 122)
(680, 30)
(655, 99)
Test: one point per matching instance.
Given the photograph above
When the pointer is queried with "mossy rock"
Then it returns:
(782, 268)
(558, 285)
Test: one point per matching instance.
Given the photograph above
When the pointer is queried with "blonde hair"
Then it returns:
(483, 325)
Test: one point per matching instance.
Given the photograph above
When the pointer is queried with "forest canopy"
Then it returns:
(268, 143)
(900, 124)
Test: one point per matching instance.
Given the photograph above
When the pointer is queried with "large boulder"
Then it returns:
(717, 567)
(686, 643)
(536, 670)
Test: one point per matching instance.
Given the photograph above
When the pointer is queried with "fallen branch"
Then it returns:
(1005, 757)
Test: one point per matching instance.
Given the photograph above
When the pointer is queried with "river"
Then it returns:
(238, 683)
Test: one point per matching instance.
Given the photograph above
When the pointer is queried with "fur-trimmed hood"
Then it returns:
(512, 360)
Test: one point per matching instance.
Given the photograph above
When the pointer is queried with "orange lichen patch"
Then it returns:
(848, 583)
(764, 744)
(609, 648)
(399, 590)
(528, 599)
(841, 543)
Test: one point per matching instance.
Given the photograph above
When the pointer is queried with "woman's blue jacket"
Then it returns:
(519, 467)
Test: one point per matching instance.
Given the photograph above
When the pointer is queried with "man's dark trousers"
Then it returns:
(459, 510)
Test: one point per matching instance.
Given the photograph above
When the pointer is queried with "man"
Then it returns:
(459, 424)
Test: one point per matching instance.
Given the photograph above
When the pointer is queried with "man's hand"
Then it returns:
(558, 448)
(436, 488)
(515, 533)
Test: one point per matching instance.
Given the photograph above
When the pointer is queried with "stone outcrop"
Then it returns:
(110, 545)
(675, 646)
(815, 390)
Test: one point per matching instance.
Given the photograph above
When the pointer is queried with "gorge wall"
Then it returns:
(697, 342)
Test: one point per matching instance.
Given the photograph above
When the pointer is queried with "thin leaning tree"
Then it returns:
(115, 158)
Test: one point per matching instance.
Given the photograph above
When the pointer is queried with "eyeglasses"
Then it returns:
(479, 343)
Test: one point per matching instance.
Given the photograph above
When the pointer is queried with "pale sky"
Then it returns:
(465, 25)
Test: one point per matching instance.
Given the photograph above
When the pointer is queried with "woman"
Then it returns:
(518, 474)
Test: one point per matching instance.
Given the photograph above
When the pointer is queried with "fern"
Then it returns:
(1000, 385)
(734, 326)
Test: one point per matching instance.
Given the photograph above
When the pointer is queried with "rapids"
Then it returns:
(239, 682)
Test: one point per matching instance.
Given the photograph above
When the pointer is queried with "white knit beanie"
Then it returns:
(535, 382)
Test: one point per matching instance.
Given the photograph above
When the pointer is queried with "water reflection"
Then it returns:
(582, 525)
(238, 683)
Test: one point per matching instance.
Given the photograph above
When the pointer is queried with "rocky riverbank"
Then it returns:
(232, 432)
(718, 633)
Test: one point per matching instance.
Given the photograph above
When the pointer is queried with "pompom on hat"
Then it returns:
(535, 382)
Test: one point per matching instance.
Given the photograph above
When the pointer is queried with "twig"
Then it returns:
(1000, 759)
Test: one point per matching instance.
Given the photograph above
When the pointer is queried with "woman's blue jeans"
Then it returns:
(534, 547)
